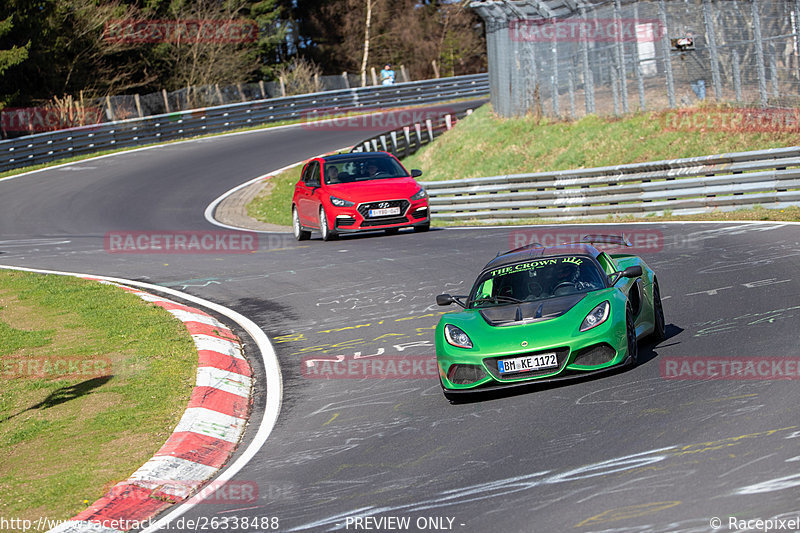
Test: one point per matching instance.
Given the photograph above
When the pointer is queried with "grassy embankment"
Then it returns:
(484, 145)
(310, 118)
(92, 382)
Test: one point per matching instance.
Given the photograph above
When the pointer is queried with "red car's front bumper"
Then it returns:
(358, 218)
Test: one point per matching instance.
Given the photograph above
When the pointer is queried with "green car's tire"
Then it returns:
(633, 346)
(660, 328)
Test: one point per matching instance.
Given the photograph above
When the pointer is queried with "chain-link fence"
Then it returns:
(16, 122)
(568, 58)
(132, 106)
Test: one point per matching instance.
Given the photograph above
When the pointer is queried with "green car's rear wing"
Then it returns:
(618, 240)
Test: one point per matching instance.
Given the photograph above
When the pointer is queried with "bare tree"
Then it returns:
(200, 60)
(300, 76)
(366, 44)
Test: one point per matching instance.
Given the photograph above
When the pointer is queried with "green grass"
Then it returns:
(274, 203)
(68, 436)
(484, 145)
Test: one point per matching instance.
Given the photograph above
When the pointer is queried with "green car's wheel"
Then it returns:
(299, 233)
(660, 328)
(327, 233)
(633, 346)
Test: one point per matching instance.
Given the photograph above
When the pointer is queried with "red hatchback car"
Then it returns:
(363, 191)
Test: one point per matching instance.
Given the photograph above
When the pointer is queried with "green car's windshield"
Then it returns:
(529, 281)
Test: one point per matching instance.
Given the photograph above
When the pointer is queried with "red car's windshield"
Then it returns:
(362, 169)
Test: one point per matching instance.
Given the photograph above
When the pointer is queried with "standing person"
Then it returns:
(387, 75)
(696, 62)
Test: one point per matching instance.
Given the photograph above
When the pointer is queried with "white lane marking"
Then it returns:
(209, 212)
(274, 382)
(32, 242)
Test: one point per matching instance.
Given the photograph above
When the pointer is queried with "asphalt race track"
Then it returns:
(631, 451)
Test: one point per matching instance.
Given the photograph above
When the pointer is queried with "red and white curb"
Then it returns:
(203, 440)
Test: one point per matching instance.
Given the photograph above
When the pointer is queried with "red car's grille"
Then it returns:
(365, 208)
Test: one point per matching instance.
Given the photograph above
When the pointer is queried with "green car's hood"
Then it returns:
(526, 312)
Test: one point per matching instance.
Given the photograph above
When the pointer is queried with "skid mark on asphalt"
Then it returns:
(660, 467)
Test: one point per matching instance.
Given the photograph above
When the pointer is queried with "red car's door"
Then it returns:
(308, 195)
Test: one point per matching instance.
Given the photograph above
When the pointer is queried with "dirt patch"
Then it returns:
(233, 209)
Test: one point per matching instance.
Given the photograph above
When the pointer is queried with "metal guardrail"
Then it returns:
(769, 178)
(409, 138)
(52, 146)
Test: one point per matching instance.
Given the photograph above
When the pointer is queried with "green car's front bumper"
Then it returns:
(578, 353)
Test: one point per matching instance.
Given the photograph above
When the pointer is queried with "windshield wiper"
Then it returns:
(498, 299)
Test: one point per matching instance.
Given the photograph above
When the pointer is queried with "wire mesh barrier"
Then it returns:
(567, 58)
(767, 178)
(52, 146)
(138, 106)
(16, 122)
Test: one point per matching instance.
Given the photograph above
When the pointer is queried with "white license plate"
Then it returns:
(384, 212)
(528, 363)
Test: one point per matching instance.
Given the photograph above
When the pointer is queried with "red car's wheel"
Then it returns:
(327, 233)
(299, 233)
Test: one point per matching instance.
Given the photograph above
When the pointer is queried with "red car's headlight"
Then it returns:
(419, 195)
(338, 202)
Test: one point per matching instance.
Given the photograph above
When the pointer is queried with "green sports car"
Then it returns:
(541, 313)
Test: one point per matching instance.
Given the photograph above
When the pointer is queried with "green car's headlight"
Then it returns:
(596, 316)
(419, 195)
(457, 337)
(338, 202)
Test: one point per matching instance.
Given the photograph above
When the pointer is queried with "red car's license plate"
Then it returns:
(384, 212)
